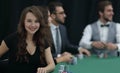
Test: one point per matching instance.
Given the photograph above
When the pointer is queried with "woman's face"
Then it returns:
(32, 24)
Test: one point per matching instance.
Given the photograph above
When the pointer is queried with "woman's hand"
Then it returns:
(41, 70)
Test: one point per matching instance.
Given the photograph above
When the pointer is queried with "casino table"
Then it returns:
(93, 64)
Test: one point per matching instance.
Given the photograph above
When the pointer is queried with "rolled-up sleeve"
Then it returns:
(85, 41)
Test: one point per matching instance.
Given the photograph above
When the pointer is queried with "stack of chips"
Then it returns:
(61, 69)
(80, 56)
(74, 61)
(66, 69)
(101, 55)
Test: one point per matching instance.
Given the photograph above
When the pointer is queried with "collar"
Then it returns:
(99, 23)
(52, 26)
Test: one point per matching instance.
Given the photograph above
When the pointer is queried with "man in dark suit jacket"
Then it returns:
(65, 48)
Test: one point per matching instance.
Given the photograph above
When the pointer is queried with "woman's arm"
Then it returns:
(50, 63)
(3, 48)
(49, 60)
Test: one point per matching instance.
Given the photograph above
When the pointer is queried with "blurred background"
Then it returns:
(79, 14)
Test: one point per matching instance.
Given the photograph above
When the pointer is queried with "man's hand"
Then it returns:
(99, 45)
(65, 57)
(41, 70)
(111, 46)
(82, 50)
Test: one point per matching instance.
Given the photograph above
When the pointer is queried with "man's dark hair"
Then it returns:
(102, 4)
(52, 6)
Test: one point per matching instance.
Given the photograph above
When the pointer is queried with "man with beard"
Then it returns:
(61, 47)
(102, 36)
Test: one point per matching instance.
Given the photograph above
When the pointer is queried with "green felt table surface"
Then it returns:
(94, 64)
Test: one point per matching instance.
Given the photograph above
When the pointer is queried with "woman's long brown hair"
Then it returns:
(38, 38)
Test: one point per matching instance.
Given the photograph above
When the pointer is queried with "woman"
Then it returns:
(29, 48)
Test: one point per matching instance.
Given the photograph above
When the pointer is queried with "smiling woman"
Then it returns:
(29, 49)
(31, 23)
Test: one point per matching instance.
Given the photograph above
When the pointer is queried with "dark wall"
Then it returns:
(4, 18)
(79, 14)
